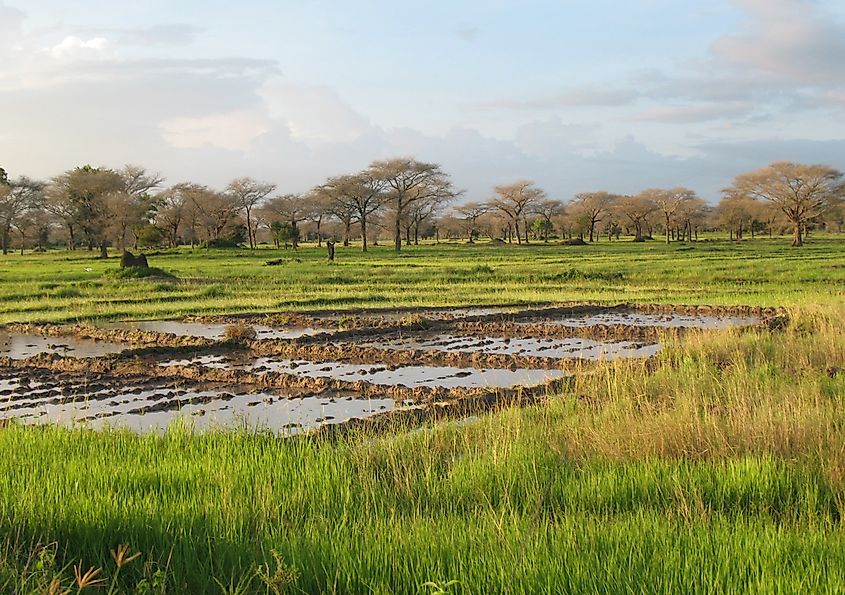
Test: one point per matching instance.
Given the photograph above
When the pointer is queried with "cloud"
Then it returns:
(687, 114)
(72, 47)
(468, 33)
(10, 19)
(234, 131)
(786, 39)
(577, 97)
(312, 113)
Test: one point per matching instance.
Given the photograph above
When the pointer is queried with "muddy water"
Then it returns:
(153, 405)
(411, 376)
(662, 320)
(210, 331)
(578, 348)
(19, 346)
(431, 314)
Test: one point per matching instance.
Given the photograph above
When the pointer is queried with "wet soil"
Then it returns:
(295, 375)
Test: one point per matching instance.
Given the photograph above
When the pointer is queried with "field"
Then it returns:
(717, 465)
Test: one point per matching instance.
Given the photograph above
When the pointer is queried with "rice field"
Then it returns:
(713, 466)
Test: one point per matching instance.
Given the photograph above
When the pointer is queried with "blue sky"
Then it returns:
(575, 95)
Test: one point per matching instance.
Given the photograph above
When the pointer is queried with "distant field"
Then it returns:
(57, 286)
(716, 467)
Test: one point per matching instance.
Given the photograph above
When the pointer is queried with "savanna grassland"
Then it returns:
(716, 467)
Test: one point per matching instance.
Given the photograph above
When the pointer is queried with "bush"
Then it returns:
(240, 332)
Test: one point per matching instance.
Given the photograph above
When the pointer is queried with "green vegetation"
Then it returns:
(719, 466)
(63, 286)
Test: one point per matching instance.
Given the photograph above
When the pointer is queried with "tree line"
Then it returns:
(402, 199)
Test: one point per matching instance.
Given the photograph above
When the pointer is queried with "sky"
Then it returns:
(574, 95)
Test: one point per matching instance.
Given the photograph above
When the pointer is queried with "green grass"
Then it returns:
(57, 286)
(717, 468)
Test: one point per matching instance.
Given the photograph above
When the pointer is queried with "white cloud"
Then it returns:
(73, 47)
(234, 131)
(313, 114)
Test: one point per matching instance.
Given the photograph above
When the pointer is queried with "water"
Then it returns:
(153, 405)
(410, 376)
(215, 332)
(19, 346)
(571, 348)
(662, 320)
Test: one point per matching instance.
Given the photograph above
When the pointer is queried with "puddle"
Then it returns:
(210, 331)
(20, 345)
(151, 406)
(430, 314)
(668, 320)
(576, 348)
(411, 376)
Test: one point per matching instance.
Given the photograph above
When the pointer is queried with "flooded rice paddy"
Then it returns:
(301, 375)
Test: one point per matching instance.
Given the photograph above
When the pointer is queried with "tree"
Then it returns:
(284, 232)
(638, 210)
(248, 194)
(215, 212)
(410, 181)
(547, 210)
(595, 205)
(468, 215)
(362, 194)
(735, 212)
(16, 198)
(170, 212)
(801, 192)
(669, 203)
(292, 208)
(514, 200)
(82, 195)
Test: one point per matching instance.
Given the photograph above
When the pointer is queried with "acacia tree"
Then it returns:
(362, 194)
(547, 210)
(669, 203)
(82, 195)
(436, 194)
(638, 210)
(468, 215)
(514, 201)
(17, 197)
(409, 181)
(595, 206)
(735, 212)
(290, 208)
(213, 211)
(249, 194)
(801, 192)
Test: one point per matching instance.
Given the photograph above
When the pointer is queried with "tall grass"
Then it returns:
(715, 468)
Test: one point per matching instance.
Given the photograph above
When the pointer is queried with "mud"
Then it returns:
(215, 332)
(382, 368)
(22, 345)
(143, 404)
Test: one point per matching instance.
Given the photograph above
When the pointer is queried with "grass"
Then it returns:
(718, 467)
(62, 286)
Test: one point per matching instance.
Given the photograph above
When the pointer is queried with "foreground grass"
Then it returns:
(62, 286)
(719, 467)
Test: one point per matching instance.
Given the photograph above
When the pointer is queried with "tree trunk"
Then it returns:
(397, 231)
(667, 229)
(516, 231)
(364, 233)
(104, 251)
(797, 239)
(320, 236)
(346, 233)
